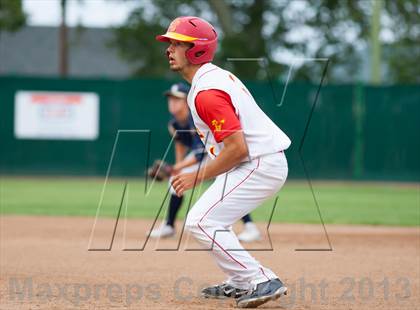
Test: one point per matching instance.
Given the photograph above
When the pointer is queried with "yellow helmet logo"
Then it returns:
(173, 25)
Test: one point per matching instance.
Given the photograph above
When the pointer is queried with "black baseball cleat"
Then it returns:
(264, 292)
(223, 291)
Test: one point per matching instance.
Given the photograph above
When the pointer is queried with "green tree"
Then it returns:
(403, 48)
(12, 16)
(283, 32)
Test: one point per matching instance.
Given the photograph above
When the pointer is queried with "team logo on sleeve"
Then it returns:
(217, 124)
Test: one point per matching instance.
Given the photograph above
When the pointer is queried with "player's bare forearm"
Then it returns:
(180, 151)
(234, 151)
(186, 162)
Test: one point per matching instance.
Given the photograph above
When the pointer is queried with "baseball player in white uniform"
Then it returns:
(248, 161)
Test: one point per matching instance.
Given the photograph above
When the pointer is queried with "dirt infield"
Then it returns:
(45, 265)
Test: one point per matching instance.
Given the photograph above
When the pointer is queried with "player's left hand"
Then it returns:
(160, 170)
(183, 182)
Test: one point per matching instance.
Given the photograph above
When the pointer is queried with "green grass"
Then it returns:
(340, 202)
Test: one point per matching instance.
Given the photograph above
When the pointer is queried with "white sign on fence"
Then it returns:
(56, 115)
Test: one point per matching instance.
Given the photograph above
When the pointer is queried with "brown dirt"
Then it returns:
(45, 265)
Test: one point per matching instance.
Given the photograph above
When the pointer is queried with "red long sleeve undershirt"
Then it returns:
(215, 108)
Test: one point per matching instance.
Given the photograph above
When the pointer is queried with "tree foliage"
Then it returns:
(283, 32)
(12, 16)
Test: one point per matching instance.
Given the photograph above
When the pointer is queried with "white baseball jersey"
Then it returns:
(238, 192)
(261, 134)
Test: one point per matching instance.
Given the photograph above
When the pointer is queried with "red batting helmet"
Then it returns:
(196, 31)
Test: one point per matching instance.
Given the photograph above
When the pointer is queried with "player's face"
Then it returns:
(178, 108)
(176, 55)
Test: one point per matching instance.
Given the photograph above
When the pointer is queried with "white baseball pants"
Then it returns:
(229, 198)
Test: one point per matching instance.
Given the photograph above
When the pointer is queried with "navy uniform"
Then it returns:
(187, 136)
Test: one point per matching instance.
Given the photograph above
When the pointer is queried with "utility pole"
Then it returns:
(375, 44)
(63, 56)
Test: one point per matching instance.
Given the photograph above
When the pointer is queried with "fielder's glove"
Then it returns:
(160, 170)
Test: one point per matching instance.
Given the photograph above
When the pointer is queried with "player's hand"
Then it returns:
(183, 182)
(175, 170)
(160, 170)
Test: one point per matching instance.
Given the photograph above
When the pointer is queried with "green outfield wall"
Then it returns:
(355, 132)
